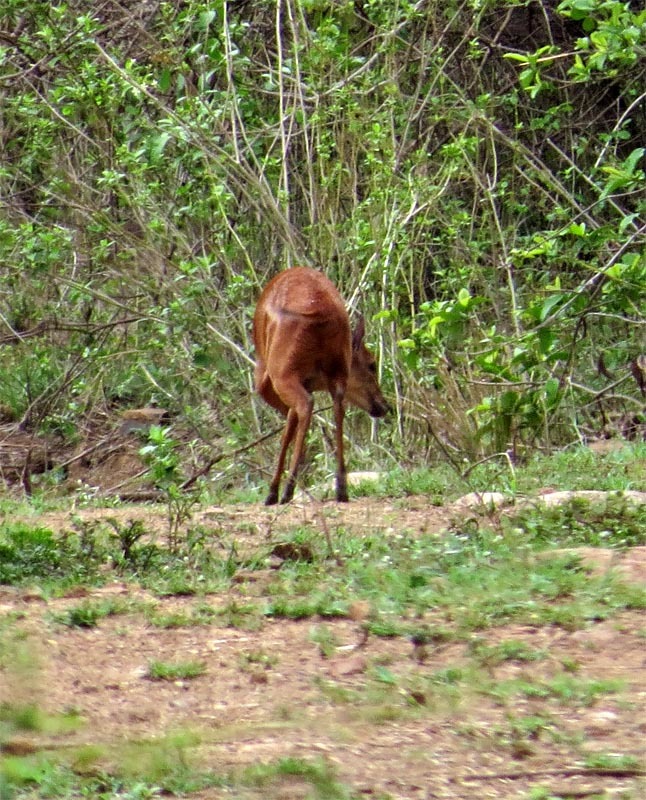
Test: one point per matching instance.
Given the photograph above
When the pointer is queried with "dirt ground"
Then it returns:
(272, 693)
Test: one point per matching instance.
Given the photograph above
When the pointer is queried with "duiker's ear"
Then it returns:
(358, 333)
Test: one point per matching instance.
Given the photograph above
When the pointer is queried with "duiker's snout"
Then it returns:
(379, 407)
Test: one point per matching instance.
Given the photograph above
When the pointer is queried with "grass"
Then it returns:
(175, 671)
(612, 761)
(509, 650)
(561, 690)
(158, 767)
(475, 581)
(19, 719)
(613, 523)
(89, 613)
(201, 613)
(577, 468)
(317, 775)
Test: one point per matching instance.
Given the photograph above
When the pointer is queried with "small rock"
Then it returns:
(354, 665)
(359, 610)
(356, 478)
(142, 419)
(487, 500)
(18, 747)
(601, 723)
(591, 496)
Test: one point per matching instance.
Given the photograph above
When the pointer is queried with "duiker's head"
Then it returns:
(363, 388)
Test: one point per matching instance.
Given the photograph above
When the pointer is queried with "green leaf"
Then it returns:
(464, 297)
(384, 675)
(551, 390)
(164, 80)
(551, 303)
(516, 57)
(577, 229)
(633, 159)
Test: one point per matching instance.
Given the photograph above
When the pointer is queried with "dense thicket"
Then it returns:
(470, 173)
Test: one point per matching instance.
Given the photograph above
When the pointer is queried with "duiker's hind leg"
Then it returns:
(293, 394)
(288, 435)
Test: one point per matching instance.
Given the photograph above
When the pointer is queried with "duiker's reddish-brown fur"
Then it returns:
(303, 341)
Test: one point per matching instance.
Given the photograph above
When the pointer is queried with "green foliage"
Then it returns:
(162, 456)
(612, 761)
(476, 578)
(31, 554)
(505, 651)
(481, 203)
(89, 554)
(614, 523)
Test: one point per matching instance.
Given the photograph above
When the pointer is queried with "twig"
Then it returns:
(326, 532)
(47, 326)
(87, 452)
(112, 490)
(567, 771)
(213, 461)
(484, 460)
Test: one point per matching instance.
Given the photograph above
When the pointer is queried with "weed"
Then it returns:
(448, 676)
(176, 619)
(325, 639)
(126, 537)
(383, 675)
(510, 650)
(563, 688)
(316, 774)
(243, 616)
(542, 793)
(88, 613)
(385, 628)
(21, 718)
(336, 693)
(182, 670)
(290, 609)
(530, 727)
(612, 761)
(28, 717)
(258, 658)
(35, 554)
(162, 456)
(165, 763)
(200, 614)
